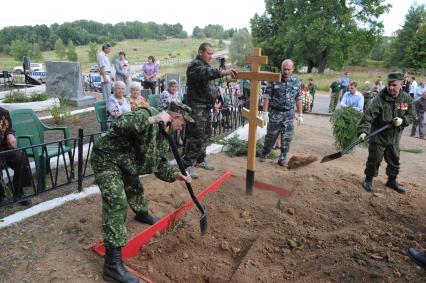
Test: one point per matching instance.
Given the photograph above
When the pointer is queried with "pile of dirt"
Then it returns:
(327, 230)
(299, 161)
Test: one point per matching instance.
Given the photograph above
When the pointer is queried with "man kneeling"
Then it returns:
(134, 146)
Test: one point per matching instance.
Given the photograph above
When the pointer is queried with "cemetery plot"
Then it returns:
(329, 229)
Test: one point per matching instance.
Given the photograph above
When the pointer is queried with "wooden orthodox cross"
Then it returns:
(255, 60)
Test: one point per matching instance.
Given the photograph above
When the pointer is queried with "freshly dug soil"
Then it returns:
(328, 230)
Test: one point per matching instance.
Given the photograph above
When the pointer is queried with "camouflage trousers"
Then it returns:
(119, 191)
(376, 152)
(334, 99)
(279, 123)
(197, 135)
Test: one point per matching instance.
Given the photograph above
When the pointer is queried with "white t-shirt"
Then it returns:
(103, 61)
(413, 87)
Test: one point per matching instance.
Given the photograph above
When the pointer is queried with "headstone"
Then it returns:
(65, 79)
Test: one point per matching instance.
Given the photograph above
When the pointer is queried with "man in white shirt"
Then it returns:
(105, 70)
(420, 90)
(413, 87)
(353, 98)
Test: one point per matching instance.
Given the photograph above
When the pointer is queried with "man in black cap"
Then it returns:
(391, 105)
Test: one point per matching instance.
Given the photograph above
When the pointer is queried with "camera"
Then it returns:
(221, 61)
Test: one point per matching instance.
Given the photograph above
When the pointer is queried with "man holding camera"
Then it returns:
(201, 98)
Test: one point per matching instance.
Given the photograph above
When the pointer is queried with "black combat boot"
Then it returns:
(114, 270)
(418, 257)
(393, 184)
(281, 160)
(367, 184)
(146, 218)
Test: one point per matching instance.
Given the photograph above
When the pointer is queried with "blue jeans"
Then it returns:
(420, 122)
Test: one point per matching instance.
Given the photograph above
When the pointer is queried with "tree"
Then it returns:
(35, 52)
(18, 49)
(93, 50)
(398, 55)
(71, 53)
(198, 33)
(318, 33)
(416, 51)
(240, 47)
(60, 49)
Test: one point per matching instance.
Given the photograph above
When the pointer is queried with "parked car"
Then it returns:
(137, 77)
(39, 75)
(34, 67)
(94, 68)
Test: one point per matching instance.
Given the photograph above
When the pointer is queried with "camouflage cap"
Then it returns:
(182, 109)
(395, 77)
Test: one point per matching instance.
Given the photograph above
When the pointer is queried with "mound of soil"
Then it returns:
(299, 161)
(328, 230)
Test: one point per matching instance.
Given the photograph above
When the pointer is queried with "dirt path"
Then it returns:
(328, 230)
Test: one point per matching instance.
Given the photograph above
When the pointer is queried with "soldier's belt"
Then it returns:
(280, 109)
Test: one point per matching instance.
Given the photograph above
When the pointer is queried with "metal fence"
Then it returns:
(61, 164)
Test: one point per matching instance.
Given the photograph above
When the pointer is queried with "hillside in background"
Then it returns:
(137, 51)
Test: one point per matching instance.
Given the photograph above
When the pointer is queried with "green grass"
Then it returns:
(137, 51)
(412, 150)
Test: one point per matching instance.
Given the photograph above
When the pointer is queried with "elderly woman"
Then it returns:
(117, 103)
(169, 95)
(136, 100)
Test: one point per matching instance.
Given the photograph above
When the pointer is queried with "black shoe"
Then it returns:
(367, 185)
(282, 162)
(418, 257)
(114, 270)
(25, 202)
(146, 218)
(393, 184)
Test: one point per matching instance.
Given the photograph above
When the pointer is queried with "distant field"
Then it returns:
(137, 51)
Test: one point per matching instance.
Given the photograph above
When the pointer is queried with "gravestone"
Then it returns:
(64, 79)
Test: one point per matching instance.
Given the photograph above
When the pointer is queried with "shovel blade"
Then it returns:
(331, 157)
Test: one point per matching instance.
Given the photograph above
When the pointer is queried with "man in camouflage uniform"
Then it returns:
(312, 88)
(281, 99)
(391, 105)
(134, 146)
(201, 97)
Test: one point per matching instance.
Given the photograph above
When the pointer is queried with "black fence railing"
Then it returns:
(46, 167)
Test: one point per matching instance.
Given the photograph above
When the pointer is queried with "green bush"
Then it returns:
(16, 96)
(344, 122)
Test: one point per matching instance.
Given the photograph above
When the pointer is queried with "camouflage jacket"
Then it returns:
(200, 81)
(382, 109)
(283, 96)
(135, 146)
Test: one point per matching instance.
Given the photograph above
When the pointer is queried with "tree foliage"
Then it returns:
(18, 49)
(93, 50)
(416, 51)
(60, 49)
(71, 53)
(240, 47)
(83, 32)
(318, 33)
(401, 51)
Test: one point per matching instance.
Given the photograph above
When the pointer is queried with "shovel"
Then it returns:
(201, 207)
(350, 147)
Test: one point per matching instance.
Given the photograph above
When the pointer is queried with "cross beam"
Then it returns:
(255, 60)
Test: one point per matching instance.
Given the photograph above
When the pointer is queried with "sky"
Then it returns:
(189, 13)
